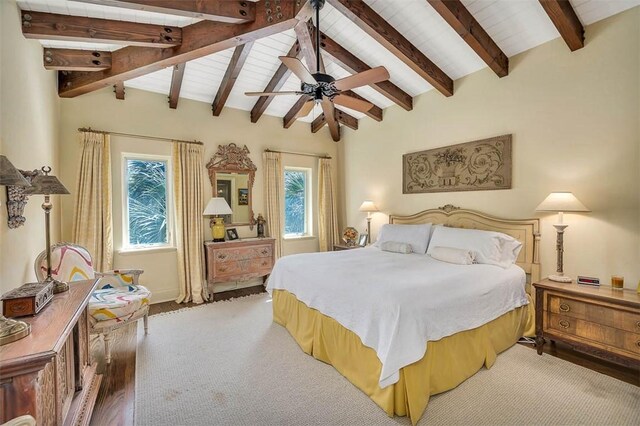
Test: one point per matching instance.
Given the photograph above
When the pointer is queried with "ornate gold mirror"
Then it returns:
(232, 173)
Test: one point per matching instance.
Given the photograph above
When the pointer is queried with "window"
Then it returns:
(146, 192)
(297, 202)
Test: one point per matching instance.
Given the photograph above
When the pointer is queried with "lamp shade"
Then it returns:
(561, 202)
(46, 184)
(368, 206)
(217, 206)
(9, 175)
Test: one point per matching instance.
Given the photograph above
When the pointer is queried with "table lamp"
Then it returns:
(10, 329)
(561, 202)
(369, 207)
(47, 185)
(215, 207)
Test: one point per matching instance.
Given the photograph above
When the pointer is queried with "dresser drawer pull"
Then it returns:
(222, 256)
(638, 343)
(222, 269)
(564, 324)
(564, 307)
(264, 251)
(638, 324)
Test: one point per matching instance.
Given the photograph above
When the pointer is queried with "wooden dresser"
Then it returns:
(597, 320)
(239, 260)
(49, 374)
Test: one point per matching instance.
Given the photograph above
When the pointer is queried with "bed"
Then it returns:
(343, 309)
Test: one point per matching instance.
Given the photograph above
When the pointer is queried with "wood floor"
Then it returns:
(115, 404)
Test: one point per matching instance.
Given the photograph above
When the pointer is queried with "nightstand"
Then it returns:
(339, 247)
(597, 320)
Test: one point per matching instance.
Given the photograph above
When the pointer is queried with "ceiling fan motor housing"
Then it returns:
(317, 4)
(323, 88)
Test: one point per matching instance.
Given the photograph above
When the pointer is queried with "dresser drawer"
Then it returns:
(243, 253)
(242, 267)
(593, 332)
(599, 314)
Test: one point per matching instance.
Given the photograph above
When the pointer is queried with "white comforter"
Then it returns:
(395, 303)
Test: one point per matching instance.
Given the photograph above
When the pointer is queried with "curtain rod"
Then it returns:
(306, 154)
(89, 129)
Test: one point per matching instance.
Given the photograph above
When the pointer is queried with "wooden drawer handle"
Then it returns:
(564, 307)
(564, 324)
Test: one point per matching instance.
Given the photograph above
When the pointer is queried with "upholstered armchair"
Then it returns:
(118, 299)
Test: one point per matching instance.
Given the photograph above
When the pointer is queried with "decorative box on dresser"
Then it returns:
(49, 374)
(239, 260)
(598, 320)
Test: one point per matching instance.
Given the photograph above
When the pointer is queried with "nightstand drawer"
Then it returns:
(599, 314)
(244, 253)
(590, 331)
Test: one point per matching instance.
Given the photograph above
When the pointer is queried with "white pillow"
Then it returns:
(453, 255)
(415, 235)
(492, 248)
(396, 247)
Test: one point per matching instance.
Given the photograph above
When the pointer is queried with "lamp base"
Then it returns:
(559, 278)
(58, 286)
(12, 330)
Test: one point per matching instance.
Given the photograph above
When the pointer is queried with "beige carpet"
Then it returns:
(227, 364)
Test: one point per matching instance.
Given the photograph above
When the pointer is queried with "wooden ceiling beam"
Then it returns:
(118, 89)
(463, 22)
(353, 64)
(176, 84)
(342, 117)
(238, 59)
(277, 81)
(198, 40)
(290, 117)
(232, 12)
(51, 26)
(76, 60)
(385, 34)
(566, 21)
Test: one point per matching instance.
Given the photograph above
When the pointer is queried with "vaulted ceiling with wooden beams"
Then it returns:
(214, 51)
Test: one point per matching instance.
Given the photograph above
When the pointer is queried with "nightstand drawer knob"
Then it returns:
(564, 307)
(564, 324)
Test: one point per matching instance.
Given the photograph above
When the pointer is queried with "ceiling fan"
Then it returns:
(324, 89)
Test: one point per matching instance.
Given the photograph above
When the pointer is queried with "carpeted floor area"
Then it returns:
(227, 363)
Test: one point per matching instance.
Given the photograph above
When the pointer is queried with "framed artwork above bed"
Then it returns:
(472, 166)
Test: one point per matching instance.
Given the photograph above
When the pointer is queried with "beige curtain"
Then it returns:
(273, 197)
(92, 221)
(188, 192)
(327, 208)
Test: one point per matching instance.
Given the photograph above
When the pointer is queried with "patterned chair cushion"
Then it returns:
(69, 262)
(119, 303)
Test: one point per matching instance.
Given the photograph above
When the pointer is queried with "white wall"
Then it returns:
(148, 114)
(29, 112)
(574, 119)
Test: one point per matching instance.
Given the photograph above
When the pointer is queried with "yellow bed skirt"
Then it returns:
(447, 362)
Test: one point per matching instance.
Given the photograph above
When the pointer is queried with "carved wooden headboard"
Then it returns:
(527, 231)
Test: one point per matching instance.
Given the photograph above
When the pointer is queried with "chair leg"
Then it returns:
(107, 348)
(146, 323)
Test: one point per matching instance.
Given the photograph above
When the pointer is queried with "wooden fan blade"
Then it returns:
(334, 128)
(291, 92)
(365, 78)
(306, 109)
(296, 67)
(353, 103)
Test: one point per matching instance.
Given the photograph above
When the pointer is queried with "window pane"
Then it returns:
(295, 192)
(147, 202)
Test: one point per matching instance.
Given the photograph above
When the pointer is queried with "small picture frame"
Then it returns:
(362, 241)
(232, 234)
(243, 196)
